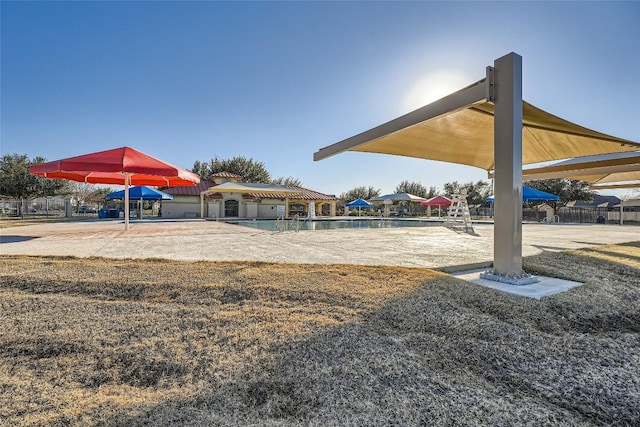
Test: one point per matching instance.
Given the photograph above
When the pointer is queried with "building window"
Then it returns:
(231, 208)
(296, 208)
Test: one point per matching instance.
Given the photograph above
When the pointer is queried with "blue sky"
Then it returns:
(276, 81)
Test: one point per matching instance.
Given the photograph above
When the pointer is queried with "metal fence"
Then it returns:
(41, 207)
(586, 215)
(628, 217)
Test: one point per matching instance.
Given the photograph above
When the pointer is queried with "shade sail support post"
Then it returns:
(507, 236)
(127, 183)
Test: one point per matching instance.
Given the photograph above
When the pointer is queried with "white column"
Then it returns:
(127, 181)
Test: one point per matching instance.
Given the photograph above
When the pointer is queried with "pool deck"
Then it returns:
(433, 247)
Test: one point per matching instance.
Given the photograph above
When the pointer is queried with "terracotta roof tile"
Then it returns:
(225, 174)
(193, 190)
(305, 194)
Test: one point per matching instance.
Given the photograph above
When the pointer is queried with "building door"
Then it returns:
(230, 208)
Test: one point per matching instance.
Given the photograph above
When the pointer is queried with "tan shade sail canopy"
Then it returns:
(616, 186)
(596, 170)
(489, 126)
(466, 137)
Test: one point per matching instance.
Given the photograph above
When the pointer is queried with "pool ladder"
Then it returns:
(283, 225)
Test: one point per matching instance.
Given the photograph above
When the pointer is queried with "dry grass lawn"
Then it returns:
(20, 222)
(128, 342)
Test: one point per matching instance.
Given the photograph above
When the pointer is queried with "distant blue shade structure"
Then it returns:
(532, 195)
(359, 203)
(141, 192)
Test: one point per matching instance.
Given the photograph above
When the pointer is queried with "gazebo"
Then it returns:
(389, 199)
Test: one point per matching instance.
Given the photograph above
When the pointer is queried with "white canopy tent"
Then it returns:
(488, 125)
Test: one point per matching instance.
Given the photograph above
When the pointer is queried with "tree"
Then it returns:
(98, 194)
(83, 192)
(365, 193)
(416, 189)
(16, 181)
(201, 169)
(289, 182)
(567, 189)
(477, 192)
(250, 170)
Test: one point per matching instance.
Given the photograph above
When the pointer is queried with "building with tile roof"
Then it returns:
(186, 202)
(226, 176)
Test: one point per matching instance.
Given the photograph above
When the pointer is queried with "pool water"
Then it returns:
(274, 225)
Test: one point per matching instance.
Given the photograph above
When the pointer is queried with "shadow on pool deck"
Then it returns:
(14, 239)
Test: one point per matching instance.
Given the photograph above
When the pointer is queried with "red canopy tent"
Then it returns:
(123, 166)
(437, 201)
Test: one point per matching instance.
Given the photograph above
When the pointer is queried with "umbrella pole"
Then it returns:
(127, 179)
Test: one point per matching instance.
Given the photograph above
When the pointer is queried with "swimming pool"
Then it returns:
(274, 225)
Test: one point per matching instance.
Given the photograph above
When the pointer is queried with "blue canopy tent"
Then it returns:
(532, 195)
(359, 203)
(140, 193)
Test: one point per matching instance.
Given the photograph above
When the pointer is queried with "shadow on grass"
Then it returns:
(549, 248)
(635, 258)
(450, 353)
(280, 344)
(630, 244)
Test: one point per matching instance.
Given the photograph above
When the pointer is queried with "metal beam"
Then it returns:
(470, 95)
(507, 235)
(587, 166)
(616, 186)
(502, 86)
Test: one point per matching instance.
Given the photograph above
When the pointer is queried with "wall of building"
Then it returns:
(213, 208)
(268, 210)
(181, 207)
(189, 207)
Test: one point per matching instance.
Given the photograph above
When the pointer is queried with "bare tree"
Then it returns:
(80, 191)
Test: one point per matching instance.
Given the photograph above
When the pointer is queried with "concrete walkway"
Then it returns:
(429, 247)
